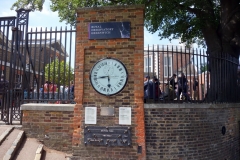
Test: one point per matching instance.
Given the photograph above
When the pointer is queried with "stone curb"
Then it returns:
(47, 107)
(39, 152)
(68, 156)
(10, 153)
(5, 134)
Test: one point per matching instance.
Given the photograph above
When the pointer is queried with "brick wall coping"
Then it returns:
(47, 107)
(192, 105)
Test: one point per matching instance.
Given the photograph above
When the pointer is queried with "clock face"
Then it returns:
(108, 76)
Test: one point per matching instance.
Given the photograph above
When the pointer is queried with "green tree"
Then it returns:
(59, 73)
(211, 23)
(203, 67)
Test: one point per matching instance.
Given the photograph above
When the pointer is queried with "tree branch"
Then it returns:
(232, 15)
(149, 2)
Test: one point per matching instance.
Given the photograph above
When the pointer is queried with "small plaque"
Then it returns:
(107, 111)
(90, 115)
(125, 115)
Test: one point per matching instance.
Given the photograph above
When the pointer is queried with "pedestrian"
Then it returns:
(195, 89)
(172, 81)
(3, 88)
(182, 87)
(46, 87)
(172, 87)
(72, 87)
(156, 88)
(148, 88)
(66, 89)
(41, 89)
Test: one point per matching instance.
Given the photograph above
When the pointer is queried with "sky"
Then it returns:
(47, 18)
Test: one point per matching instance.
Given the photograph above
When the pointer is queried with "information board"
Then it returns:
(90, 115)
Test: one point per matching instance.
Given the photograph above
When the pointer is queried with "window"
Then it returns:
(27, 67)
(167, 66)
(148, 64)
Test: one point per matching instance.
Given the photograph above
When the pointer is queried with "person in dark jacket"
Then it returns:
(148, 88)
(72, 87)
(172, 81)
(195, 89)
(182, 87)
(172, 87)
(156, 90)
(3, 88)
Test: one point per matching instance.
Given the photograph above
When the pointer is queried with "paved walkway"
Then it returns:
(15, 144)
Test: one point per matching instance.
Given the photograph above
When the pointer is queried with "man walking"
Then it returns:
(195, 88)
(148, 88)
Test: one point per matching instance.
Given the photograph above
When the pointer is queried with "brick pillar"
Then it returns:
(130, 52)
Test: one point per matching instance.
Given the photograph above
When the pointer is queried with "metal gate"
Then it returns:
(35, 66)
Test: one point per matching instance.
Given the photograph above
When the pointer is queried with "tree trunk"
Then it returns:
(222, 86)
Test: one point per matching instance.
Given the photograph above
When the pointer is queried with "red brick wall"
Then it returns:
(192, 131)
(130, 52)
(57, 125)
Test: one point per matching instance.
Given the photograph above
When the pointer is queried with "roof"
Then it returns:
(170, 48)
(54, 44)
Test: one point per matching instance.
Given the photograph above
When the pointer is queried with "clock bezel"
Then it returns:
(99, 61)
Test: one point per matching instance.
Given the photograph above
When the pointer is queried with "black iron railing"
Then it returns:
(29, 60)
(178, 74)
(44, 64)
(50, 69)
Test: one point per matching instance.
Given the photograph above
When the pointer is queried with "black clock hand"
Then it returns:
(109, 85)
(103, 77)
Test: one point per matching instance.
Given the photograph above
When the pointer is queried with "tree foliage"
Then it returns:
(211, 23)
(59, 72)
(203, 67)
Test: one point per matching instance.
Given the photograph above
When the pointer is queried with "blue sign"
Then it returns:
(109, 30)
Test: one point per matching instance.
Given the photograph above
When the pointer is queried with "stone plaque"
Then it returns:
(107, 136)
(107, 111)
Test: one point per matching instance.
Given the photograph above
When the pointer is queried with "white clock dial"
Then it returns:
(108, 76)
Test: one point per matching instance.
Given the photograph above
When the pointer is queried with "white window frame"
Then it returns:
(148, 63)
(167, 65)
